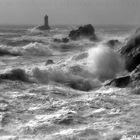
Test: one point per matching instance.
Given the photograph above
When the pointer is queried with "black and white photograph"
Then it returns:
(69, 69)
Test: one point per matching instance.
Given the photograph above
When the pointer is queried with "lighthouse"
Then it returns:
(46, 21)
(46, 24)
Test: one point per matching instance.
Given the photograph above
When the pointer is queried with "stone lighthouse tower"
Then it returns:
(46, 21)
(46, 24)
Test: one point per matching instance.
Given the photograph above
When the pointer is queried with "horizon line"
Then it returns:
(26, 24)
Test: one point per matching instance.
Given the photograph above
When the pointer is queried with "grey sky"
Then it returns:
(70, 11)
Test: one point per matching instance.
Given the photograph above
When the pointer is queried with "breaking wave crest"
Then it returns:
(19, 42)
(65, 78)
(32, 49)
(8, 51)
(36, 49)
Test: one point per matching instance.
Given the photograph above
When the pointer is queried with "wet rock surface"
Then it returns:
(49, 61)
(86, 31)
(132, 78)
(113, 42)
(121, 82)
(43, 27)
(15, 74)
(63, 40)
(131, 51)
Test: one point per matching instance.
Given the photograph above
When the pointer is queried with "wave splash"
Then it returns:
(104, 63)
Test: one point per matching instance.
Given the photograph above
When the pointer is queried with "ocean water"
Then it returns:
(65, 100)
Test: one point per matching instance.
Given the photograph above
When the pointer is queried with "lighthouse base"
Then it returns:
(43, 27)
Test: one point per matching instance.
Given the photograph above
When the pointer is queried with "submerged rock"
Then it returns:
(63, 40)
(131, 51)
(86, 31)
(46, 24)
(113, 42)
(49, 61)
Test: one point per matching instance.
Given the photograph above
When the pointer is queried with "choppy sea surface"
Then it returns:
(63, 100)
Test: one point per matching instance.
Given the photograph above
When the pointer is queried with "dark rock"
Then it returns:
(43, 28)
(15, 74)
(113, 42)
(83, 85)
(132, 79)
(57, 40)
(137, 70)
(46, 24)
(65, 121)
(120, 82)
(86, 31)
(63, 40)
(65, 47)
(7, 52)
(49, 61)
(135, 75)
(131, 51)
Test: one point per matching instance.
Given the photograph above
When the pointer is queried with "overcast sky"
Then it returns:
(70, 11)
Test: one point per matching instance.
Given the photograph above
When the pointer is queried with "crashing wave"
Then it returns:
(32, 49)
(35, 30)
(104, 63)
(4, 50)
(21, 42)
(65, 78)
(36, 49)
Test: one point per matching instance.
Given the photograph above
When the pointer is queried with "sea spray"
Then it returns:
(65, 78)
(104, 63)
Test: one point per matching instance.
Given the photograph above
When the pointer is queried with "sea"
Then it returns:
(53, 90)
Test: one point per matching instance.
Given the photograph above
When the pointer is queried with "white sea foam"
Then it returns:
(34, 30)
(36, 49)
